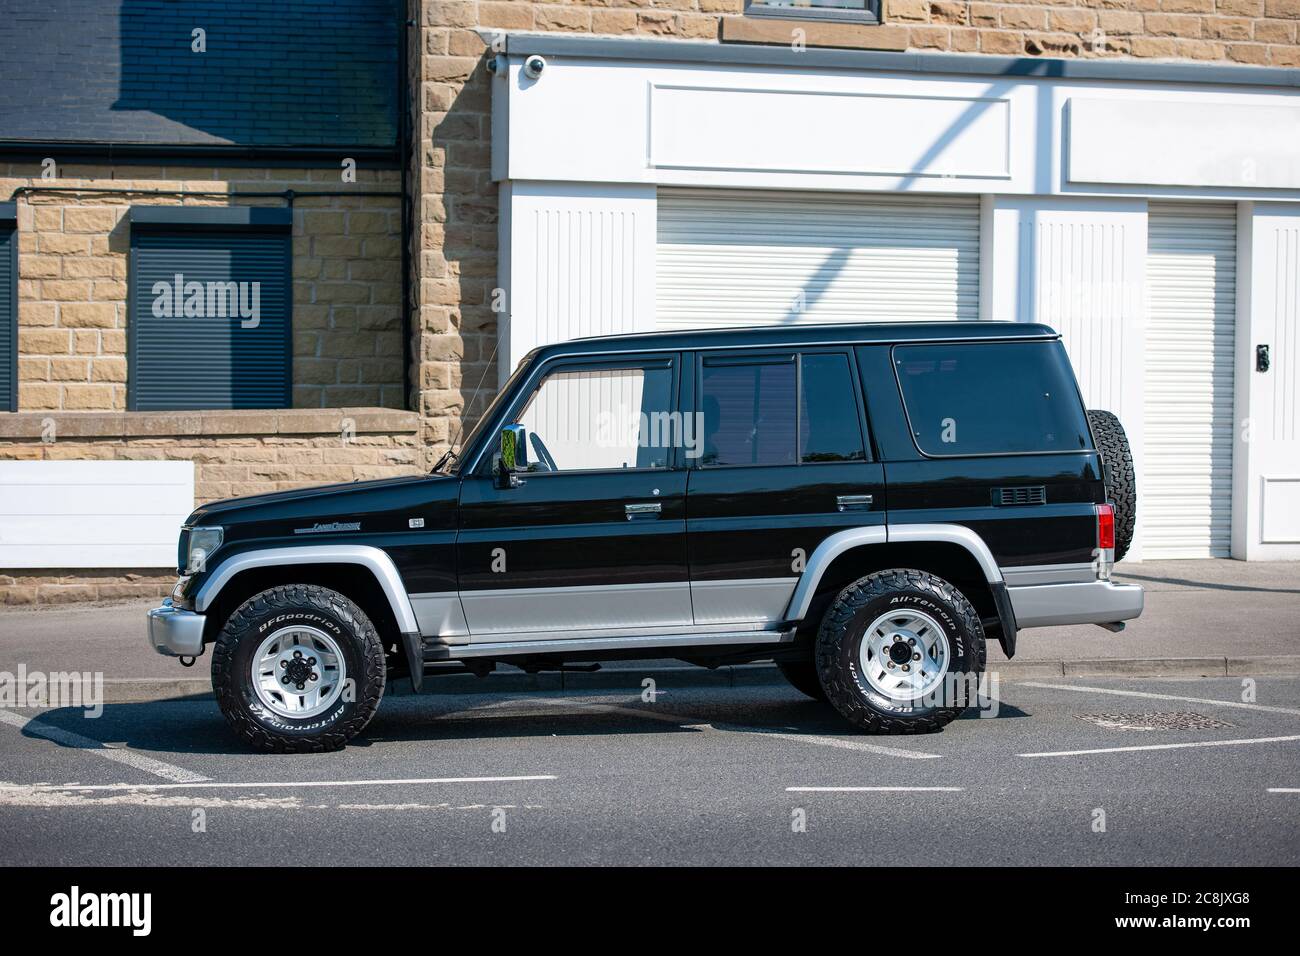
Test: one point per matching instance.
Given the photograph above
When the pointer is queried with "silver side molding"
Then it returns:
(440, 614)
(1027, 575)
(372, 559)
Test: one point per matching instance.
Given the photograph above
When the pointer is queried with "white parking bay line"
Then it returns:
(692, 723)
(873, 789)
(1199, 743)
(819, 741)
(1284, 789)
(67, 738)
(1140, 693)
(206, 784)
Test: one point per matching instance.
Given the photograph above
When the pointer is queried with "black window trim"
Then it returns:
(581, 363)
(778, 356)
(9, 323)
(868, 13)
(907, 415)
(207, 219)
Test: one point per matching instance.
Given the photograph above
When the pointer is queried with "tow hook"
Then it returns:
(188, 660)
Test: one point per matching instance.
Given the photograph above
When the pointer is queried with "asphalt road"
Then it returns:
(701, 775)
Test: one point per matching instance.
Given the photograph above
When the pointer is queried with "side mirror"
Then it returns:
(514, 456)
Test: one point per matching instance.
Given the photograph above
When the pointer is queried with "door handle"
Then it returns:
(644, 510)
(853, 502)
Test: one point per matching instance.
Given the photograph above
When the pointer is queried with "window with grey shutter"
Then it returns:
(211, 308)
(8, 307)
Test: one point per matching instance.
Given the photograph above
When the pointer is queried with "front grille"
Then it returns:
(1021, 495)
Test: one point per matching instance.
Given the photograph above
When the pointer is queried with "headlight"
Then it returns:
(203, 543)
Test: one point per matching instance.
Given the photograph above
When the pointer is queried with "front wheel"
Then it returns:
(896, 650)
(298, 669)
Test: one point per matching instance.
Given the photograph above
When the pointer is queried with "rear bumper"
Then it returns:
(176, 632)
(1093, 602)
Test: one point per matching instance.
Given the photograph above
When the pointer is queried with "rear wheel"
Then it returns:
(1117, 469)
(895, 652)
(802, 676)
(298, 669)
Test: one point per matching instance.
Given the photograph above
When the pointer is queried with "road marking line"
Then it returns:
(691, 723)
(1284, 789)
(119, 754)
(873, 789)
(1199, 743)
(1139, 693)
(819, 741)
(206, 784)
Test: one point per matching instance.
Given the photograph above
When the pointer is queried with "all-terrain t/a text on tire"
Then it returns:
(894, 651)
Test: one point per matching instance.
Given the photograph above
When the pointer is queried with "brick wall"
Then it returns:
(72, 290)
(454, 249)
(234, 453)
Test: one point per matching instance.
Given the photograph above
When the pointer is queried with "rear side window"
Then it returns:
(993, 398)
(749, 412)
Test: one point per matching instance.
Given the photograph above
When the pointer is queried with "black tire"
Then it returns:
(802, 676)
(258, 618)
(842, 632)
(1117, 468)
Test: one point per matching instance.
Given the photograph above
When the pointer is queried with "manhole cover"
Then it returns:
(1174, 721)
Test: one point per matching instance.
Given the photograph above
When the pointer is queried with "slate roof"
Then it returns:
(283, 73)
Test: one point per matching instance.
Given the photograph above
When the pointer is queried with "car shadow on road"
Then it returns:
(195, 725)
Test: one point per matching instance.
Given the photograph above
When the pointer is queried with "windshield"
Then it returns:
(452, 466)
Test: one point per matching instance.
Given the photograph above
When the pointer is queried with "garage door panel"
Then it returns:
(741, 259)
(1186, 497)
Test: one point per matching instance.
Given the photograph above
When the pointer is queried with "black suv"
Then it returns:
(862, 504)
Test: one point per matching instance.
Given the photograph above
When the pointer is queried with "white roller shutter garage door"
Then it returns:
(1185, 499)
(740, 259)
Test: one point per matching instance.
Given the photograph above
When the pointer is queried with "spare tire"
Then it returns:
(1117, 469)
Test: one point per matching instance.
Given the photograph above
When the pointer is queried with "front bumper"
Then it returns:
(176, 632)
(1093, 602)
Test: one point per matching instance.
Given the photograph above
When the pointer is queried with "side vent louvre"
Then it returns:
(1022, 495)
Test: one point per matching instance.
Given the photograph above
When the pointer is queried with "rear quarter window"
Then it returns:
(994, 398)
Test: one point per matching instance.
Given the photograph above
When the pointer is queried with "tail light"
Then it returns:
(1105, 527)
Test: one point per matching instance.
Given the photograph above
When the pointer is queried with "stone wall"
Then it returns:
(234, 453)
(72, 262)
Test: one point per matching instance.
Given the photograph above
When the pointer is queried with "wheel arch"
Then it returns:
(366, 575)
(953, 552)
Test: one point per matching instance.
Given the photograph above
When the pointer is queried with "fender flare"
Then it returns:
(842, 541)
(374, 560)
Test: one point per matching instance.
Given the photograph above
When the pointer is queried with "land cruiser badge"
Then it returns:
(332, 526)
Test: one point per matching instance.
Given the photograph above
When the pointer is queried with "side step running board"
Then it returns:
(579, 645)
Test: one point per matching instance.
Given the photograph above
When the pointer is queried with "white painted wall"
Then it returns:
(665, 123)
(93, 514)
(578, 259)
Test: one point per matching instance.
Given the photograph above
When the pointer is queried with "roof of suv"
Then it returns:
(796, 336)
